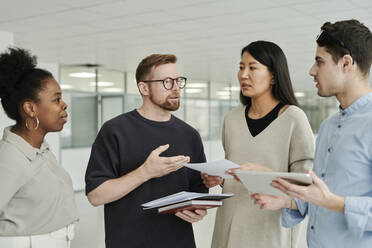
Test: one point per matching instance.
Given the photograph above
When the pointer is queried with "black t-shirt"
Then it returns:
(121, 146)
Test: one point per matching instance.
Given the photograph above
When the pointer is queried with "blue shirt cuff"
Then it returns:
(292, 217)
(358, 214)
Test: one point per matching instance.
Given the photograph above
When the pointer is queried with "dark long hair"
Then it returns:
(272, 56)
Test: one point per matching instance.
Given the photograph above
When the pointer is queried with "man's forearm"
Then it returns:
(114, 189)
(335, 203)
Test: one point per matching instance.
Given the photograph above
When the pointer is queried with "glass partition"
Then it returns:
(81, 128)
(78, 78)
(197, 115)
(218, 108)
(96, 95)
(110, 82)
(196, 88)
(131, 84)
(316, 108)
(112, 106)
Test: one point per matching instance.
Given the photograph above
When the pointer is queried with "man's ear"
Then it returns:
(143, 88)
(347, 62)
(30, 108)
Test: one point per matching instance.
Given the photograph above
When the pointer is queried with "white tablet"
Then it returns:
(260, 182)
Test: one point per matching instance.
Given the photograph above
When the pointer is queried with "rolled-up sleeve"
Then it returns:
(358, 214)
(292, 217)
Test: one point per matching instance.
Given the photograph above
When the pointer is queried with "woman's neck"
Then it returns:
(261, 106)
(34, 138)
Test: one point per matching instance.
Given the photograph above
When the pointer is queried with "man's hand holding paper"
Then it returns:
(214, 173)
(211, 181)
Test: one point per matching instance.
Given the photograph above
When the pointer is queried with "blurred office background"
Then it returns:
(94, 46)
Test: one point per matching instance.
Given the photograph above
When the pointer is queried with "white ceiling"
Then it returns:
(206, 35)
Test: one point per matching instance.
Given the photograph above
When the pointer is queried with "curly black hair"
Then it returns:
(20, 80)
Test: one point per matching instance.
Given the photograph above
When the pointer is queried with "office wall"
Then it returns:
(74, 161)
(6, 40)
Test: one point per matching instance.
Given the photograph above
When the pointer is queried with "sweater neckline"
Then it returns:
(152, 122)
(270, 125)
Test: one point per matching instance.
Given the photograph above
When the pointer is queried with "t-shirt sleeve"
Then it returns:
(301, 153)
(103, 162)
(196, 182)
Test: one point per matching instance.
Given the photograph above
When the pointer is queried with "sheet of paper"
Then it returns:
(215, 168)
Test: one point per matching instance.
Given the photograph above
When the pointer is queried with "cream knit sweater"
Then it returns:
(287, 144)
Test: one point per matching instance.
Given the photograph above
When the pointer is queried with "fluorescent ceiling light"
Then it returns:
(223, 93)
(299, 94)
(232, 88)
(66, 86)
(113, 90)
(101, 84)
(83, 75)
(196, 85)
(193, 91)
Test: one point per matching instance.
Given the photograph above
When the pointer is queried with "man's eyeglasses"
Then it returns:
(168, 83)
(324, 36)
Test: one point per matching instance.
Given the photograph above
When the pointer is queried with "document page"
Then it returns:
(215, 168)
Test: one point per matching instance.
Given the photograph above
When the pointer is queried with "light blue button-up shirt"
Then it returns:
(343, 160)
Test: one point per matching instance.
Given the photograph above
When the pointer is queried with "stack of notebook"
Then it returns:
(186, 201)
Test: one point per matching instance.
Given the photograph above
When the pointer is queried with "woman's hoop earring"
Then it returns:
(37, 124)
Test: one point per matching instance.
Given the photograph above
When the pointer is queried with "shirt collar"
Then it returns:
(357, 105)
(29, 151)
